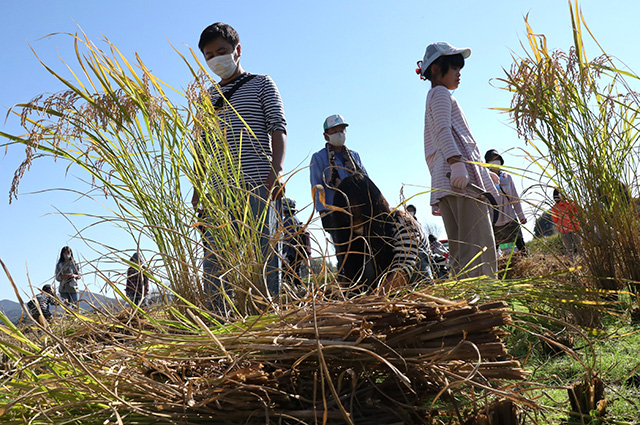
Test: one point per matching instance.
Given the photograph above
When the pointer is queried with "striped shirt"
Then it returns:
(45, 301)
(258, 103)
(447, 134)
(408, 241)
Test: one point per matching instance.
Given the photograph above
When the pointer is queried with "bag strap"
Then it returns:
(244, 79)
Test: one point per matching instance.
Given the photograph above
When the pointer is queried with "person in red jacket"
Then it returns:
(564, 213)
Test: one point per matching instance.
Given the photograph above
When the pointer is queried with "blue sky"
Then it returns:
(352, 58)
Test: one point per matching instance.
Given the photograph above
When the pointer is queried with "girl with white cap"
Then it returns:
(450, 151)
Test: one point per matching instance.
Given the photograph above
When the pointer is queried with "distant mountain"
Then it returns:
(12, 309)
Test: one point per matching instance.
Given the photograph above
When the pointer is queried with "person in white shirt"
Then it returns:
(507, 228)
(450, 152)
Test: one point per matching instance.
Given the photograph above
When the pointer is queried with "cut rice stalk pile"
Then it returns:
(367, 360)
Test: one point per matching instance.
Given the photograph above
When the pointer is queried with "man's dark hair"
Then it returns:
(219, 29)
(444, 62)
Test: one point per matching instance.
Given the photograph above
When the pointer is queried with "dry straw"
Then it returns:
(404, 359)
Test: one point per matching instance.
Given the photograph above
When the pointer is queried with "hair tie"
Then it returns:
(419, 71)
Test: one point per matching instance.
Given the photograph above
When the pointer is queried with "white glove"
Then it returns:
(459, 176)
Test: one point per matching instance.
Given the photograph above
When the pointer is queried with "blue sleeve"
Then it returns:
(316, 171)
(356, 157)
(58, 270)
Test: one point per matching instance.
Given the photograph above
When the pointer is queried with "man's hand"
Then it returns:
(275, 186)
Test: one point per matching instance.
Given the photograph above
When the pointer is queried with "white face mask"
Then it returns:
(495, 162)
(67, 256)
(223, 66)
(338, 139)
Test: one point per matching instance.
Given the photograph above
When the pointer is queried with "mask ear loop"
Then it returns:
(419, 71)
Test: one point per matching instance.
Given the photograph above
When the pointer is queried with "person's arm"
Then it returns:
(59, 276)
(406, 248)
(356, 158)
(514, 198)
(277, 127)
(405, 257)
(440, 110)
(316, 170)
(278, 150)
(555, 214)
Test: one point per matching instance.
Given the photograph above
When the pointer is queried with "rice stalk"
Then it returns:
(119, 123)
(580, 115)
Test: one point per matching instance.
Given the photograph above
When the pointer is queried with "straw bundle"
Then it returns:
(368, 360)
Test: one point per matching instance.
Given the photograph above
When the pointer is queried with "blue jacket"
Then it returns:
(320, 173)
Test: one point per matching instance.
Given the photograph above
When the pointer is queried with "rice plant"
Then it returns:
(117, 122)
(579, 116)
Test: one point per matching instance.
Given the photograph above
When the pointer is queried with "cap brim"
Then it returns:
(335, 125)
(466, 52)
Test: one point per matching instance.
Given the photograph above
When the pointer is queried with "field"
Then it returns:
(549, 339)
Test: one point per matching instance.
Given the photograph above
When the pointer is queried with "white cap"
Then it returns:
(332, 121)
(441, 48)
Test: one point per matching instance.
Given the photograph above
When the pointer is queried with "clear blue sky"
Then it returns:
(352, 58)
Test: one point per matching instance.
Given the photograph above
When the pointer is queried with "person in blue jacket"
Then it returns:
(329, 166)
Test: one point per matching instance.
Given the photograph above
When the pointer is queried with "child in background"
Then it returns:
(68, 273)
(563, 213)
(41, 303)
(450, 151)
(137, 282)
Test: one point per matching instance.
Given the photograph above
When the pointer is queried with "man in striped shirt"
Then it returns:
(251, 118)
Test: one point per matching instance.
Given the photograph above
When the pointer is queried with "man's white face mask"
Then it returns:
(338, 139)
(224, 65)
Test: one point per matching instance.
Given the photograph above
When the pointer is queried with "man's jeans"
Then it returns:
(214, 281)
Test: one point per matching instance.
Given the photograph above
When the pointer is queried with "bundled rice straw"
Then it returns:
(368, 360)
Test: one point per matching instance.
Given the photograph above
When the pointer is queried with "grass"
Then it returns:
(616, 360)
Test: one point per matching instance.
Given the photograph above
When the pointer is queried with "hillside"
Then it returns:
(88, 301)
